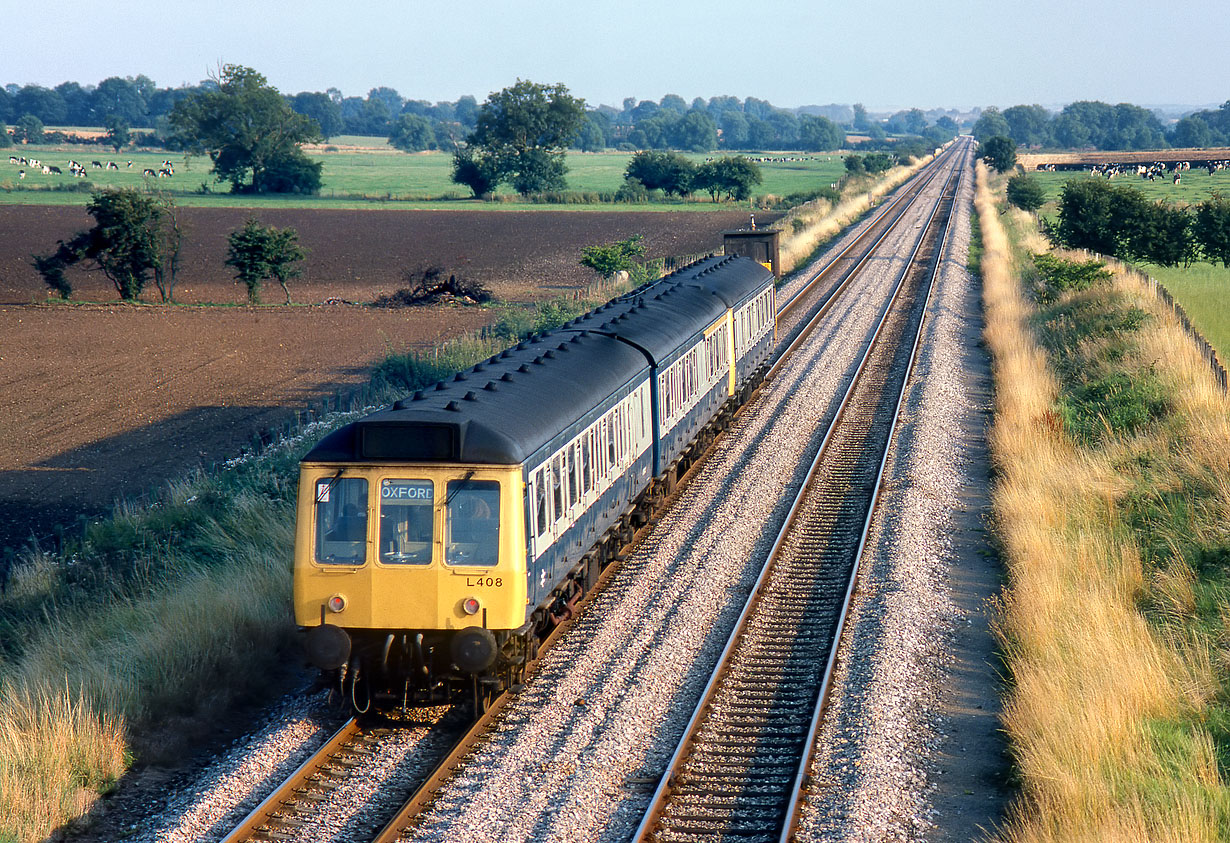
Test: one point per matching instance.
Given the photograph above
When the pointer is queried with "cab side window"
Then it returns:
(341, 521)
(472, 522)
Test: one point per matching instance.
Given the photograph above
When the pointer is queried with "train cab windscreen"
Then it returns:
(472, 522)
(406, 521)
(341, 521)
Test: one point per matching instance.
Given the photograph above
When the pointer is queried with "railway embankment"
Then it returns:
(1111, 504)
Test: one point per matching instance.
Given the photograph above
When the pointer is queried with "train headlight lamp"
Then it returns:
(336, 603)
(470, 605)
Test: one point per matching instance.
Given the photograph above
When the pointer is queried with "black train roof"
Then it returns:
(504, 409)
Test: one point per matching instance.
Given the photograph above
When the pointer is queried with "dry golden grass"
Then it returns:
(821, 220)
(1102, 708)
(181, 651)
(55, 755)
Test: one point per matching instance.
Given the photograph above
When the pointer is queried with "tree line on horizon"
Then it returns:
(702, 125)
(1102, 126)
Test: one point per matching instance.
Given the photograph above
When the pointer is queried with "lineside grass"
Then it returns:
(1111, 502)
(808, 228)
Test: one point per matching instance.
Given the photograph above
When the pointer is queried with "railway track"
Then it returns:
(740, 769)
(288, 810)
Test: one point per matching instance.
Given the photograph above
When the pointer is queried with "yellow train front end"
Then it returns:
(410, 579)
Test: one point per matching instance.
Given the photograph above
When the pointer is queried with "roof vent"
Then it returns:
(549, 354)
(459, 377)
(491, 387)
(522, 346)
(441, 386)
(478, 367)
(507, 377)
(470, 396)
(523, 368)
(418, 395)
(454, 406)
(538, 360)
(575, 338)
(564, 346)
(505, 354)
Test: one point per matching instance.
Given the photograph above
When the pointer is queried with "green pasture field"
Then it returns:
(1204, 291)
(1195, 186)
(367, 178)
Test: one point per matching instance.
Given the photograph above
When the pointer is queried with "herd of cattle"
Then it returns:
(1148, 172)
(75, 168)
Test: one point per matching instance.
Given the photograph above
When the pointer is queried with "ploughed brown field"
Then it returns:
(100, 400)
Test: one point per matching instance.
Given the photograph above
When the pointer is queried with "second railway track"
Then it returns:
(740, 768)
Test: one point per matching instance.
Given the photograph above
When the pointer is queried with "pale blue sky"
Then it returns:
(884, 53)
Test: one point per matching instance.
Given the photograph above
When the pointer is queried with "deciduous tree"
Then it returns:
(412, 133)
(669, 172)
(524, 129)
(251, 134)
(1212, 228)
(129, 243)
(998, 151)
(613, 257)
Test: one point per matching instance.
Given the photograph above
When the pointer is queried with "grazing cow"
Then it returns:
(148, 172)
(12, 159)
(21, 174)
(34, 162)
(96, 165)
(111, 165)
(130, 165)
(55, 171)
(46, 170)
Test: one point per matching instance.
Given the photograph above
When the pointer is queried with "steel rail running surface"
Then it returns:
(749, 718)
(295, 796)
(872, 236)
(889, 213)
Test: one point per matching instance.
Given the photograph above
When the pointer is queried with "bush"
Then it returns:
(1059, 276)
(669, 172)
(614, 257)
(1026, 192)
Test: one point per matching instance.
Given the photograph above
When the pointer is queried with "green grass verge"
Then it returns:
(1204, 291)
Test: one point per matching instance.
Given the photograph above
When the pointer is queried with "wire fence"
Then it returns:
(1206, 349)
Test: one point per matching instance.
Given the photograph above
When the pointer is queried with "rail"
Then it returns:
(700, 791)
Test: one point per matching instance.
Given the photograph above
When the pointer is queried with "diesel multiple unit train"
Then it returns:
(440, 540)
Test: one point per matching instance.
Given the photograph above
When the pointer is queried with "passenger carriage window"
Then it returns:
(407, 518)
(587, 463)
(540, 502)
(573, 470)
(472, 523)
(341, 521)
(557, 486)
(610, 441)
(600, 451)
